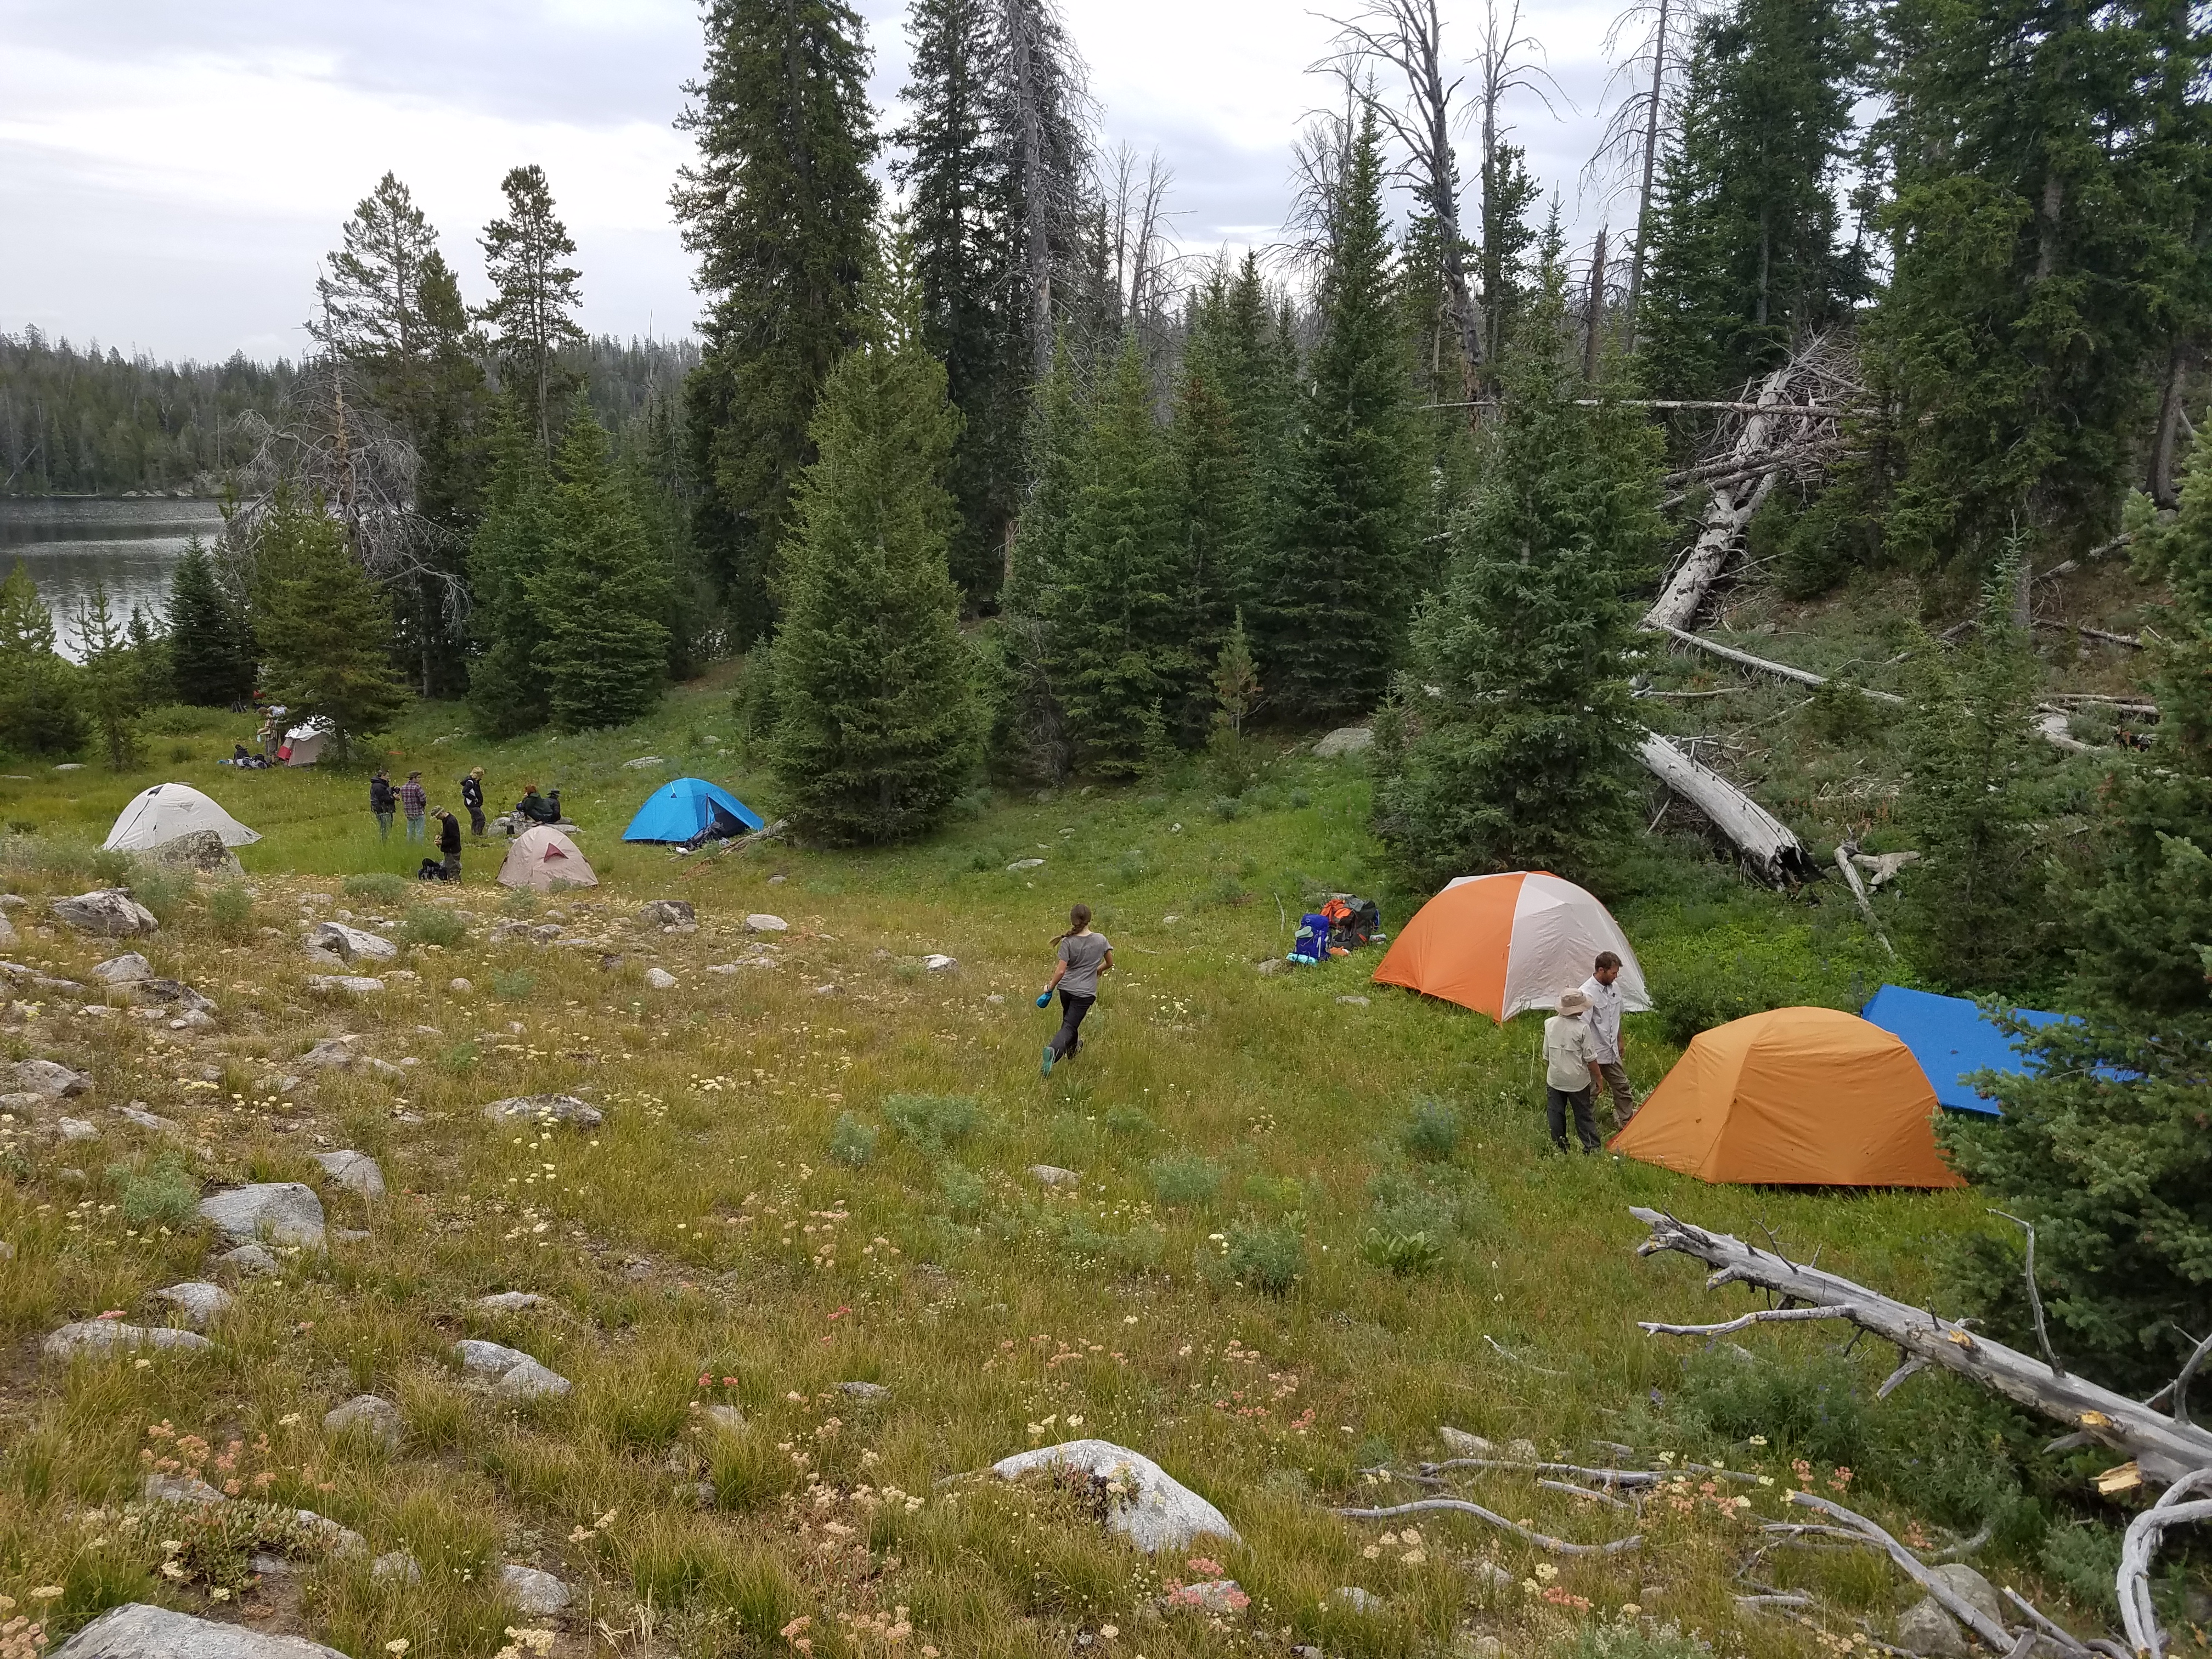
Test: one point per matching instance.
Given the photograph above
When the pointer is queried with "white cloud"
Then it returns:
(170, 175)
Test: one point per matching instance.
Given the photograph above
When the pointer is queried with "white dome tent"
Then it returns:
(168, 810)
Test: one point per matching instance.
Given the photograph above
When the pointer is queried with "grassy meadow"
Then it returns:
(1316, 1221)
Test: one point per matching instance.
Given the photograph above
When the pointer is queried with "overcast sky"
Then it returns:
(170, 175)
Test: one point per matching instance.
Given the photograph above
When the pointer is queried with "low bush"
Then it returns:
(934, 1124)
(1434, 1131)
(381, 887)
(1404, 1255)
(962, 1189)
(1184, 1179)
(852, 1142)
(429, 924)
(1269, 1259)
(514, 984)
(163, 1193)
(230, 909)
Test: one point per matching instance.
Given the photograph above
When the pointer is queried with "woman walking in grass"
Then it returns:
(1083, 956)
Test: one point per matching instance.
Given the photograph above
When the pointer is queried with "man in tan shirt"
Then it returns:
(1572, 1075)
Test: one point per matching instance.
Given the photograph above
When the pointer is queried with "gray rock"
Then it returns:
(1051, 1175)
(1353, 1002)
(50, 1078)
(867, 1393)
(459, 985)
(179, 1489)
(725, 1417)
(75, 1129)
(532, 1381)
(660, 979)
(509, 1301)
(667, 913)
(642, 762)
(518, 1373)
(146, 1120)
(1273, 965)
(108, 911)
(196, 1300)
(350, 945)
(24, 1102)
(383, 1068)
(287, 1211)
(263, 1565)
(937, 962)
(354, 1171)
(1144, 1503)
(252, 1260)
(1344, 740)
(1356, 1599)
(1970, 1587)
(125, 970)
(330, 1055)
(349, 983)
(7, 933)
(138, 1631)
(198, 850)
(531, 1591)
(763, 923)
(396, 1565)
(544, 1108)
(1026, 864)
(108, 1335)
(1459, 1443)
(337, 1539)
(1522, 1451)
(1925, 1629)
(367, 1414)
(174, 992)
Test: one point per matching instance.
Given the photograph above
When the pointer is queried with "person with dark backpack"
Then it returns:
(382, 803)
(449, 842)
(473, 798)
(1083, 956)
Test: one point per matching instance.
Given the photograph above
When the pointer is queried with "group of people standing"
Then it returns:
(412, 802)
(1583, 1058)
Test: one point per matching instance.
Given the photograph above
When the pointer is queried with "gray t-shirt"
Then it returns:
(1082, 952)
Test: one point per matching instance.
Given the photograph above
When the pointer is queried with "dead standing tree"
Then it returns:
(2163, 1444)
(1045, 120)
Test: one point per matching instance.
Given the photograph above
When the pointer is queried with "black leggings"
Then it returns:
(1067, 1039)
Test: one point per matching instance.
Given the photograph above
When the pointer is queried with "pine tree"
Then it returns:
(779, 209)
(210, 652)
(1236, 688)
(601, 595)
(1331, 600)
(148, 644)
(1975, 911)
(507, 689)
(1217, 517)
(446, 419)
(2033, 224)
(961, 174)
(324, 627)
(1028, 736)
(2106, 1148)
(39, 712)
(1508, 194)
(1509, 738)
(371, 291)
(1744, 254)
(878, 728)
(535, 296)
(1117, 647)
(110, 679)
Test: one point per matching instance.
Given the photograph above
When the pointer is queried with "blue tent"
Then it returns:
(688, 808)
(1952, 1039)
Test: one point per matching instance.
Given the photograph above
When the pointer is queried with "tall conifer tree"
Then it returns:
(210, 652)
(38, 705)
(1520, 759)
(779, 209)
(507, 682)
(324, 628)
(535, 296)
(1333, 592)
(600, 596)
(878, 728)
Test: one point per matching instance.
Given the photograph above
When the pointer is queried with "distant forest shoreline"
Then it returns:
(87, 424)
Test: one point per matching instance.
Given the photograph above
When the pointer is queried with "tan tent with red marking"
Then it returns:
(1504, 944)
(544, 860)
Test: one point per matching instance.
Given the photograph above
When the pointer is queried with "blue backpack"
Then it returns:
(1312, 940)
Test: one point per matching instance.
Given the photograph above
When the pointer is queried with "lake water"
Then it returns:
(132, 546)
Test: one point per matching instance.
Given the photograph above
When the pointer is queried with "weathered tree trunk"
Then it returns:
(1594, 315)
(1845, 853)
(1650, 165)
(1781, 670)
(2162, 1448)
(1025, 47)
(1764, 840)
(1731, 510)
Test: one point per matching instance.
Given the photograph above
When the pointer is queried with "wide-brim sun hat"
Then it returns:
(1574, 1002)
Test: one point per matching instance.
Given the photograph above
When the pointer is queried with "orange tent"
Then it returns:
(1795, 1097)
(1504, 944)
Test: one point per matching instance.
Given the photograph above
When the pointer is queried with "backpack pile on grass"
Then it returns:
(1339, 926)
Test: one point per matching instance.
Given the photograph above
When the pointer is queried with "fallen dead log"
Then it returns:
(1460, 1506)
(1766, 843)
(1846, 856)
(2133, 641)
(2163, 1448)
(2140, 1544)
(1765, 666)
(1728, 512)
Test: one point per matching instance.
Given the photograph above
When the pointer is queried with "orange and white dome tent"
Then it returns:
(1794, 1096)
(1504, 944)
(544, 861)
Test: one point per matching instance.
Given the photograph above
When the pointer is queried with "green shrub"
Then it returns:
(1406, 1255)
(1266, 1258)
(962, 1189)
(163, 1193)
(1742, 967)
(934, 1124)
(230, 909)
(852, 1142)
(514, 984)
(1228, 808)
(2086, 1559)
(381, 887)
(1434, 1131)
(1131, 1123)
(429, 924)
(519, 901)
(1630, 1639)
(1131, 867)
(1183, 1179)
